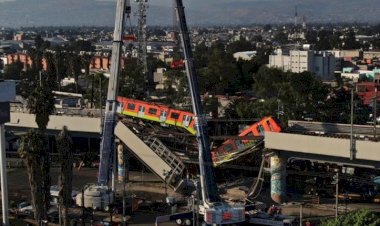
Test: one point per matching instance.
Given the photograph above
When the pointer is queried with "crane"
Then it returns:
(214, 210)
(123, 9)
(99, 195)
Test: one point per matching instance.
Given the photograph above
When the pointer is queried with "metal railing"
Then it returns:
(165, 154)
(83, 112)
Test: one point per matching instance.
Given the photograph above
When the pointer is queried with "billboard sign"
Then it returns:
(5, 115)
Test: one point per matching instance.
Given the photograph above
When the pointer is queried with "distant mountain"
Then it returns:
(199, 12)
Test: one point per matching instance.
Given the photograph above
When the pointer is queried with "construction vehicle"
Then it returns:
(211, 206)
(123, 9)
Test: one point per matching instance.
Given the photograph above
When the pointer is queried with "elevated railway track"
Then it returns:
(334, 129)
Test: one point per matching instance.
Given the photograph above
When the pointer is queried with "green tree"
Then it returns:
(219, 75)
(201, 54)
(311, 37)
(85, 62)
(31, 150)
(323, 42)
(175, 88)
(64, 148)
(266, 82)
(240, 45)
(281, 38)
(131, 82)
(40, 103)
(73, 61)
(349, 41)
(80, 45)
(245, 70)
(361, 217)
(13, 71)
(96, 92)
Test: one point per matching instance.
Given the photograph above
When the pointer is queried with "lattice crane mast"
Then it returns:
(142, 6)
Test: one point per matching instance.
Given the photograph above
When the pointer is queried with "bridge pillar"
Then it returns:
(278, 178)
(120, 163)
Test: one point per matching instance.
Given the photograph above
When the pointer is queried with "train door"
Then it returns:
(163, 115)
(141, 111)
(120, 107)
(239, 144)
(269, 125)
(186, 120)
(261, 130)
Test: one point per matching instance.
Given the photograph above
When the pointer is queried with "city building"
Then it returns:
(367, 92)
(246, 55)
(25, 59)
(322, 64)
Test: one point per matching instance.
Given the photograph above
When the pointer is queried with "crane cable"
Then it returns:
(260, 180)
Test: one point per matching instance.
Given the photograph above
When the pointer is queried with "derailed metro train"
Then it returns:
(163, 114)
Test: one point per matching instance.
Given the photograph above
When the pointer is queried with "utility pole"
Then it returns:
(301, 213)
(374, 114)
(352, 145)
(124, 217)
(336, 182)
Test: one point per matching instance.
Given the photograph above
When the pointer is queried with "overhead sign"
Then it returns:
(5, 115)
(7, 91)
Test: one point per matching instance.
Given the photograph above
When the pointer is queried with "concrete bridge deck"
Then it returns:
(87, 126)
(324, 148)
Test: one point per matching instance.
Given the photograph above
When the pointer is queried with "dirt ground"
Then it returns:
(143, 184)
(149, 187)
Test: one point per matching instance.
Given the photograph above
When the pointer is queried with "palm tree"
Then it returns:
(64, 147)
(30, 149)
(33, 147)
(41, 103)
(86, 61)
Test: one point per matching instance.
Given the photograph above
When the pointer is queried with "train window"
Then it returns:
(152, 111)
(131, 106)
(187, 118)
(250, 134)
(239, 144)
(277, 124)
(142, 109)
(174, 115)
(261, 130)
(228, 148)
(270, 125)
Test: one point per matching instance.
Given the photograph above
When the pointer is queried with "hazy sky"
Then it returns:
(16, 13)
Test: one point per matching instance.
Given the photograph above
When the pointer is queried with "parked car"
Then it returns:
(24, 208)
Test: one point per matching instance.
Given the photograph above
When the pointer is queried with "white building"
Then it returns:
(246, 55)
(321, 64)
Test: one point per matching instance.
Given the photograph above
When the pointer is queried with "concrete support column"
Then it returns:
(120, 163)
(278, 178)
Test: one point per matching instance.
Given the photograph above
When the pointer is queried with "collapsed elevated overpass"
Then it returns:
(281, 146)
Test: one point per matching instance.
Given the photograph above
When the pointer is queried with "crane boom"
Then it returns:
(107, 142)
(208, 185)
(215, 211)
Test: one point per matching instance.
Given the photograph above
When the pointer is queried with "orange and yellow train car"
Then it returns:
(231, 148)
(156, 112)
